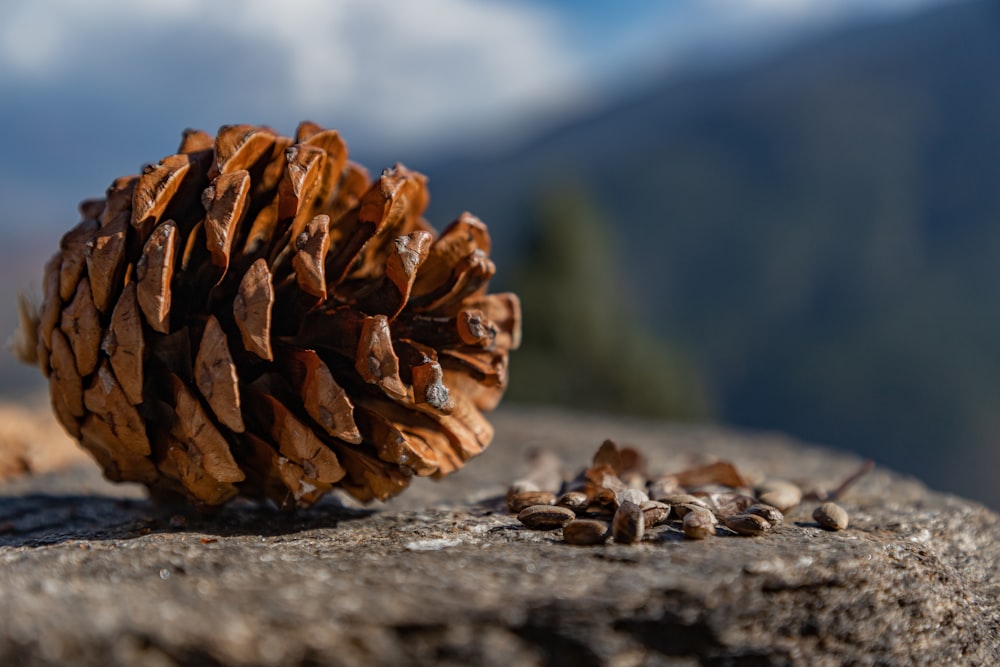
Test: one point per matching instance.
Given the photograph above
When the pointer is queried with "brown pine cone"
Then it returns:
(253, 316)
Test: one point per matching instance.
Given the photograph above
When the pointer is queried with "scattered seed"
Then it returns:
(585, 531)
(573, 500)
(634, 480)
(520, 501)
(545, 470)
(664, 487)
(631, 495)
(730, 503)
(617, 491)
(521, 486)
(628, 525)
(654, 512)
(831, 516)
(682, 503)
(545, 517)
(747, 524)
(779, 493)
(772, 514)
(699, 524)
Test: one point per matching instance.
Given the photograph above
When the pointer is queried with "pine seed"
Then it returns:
(779, 493)
(519, 501)
(632, 495)
(655, 513)
(747, 524)
(772, 514)
(664, 487)
(629, 525)
(585, 532)
(699, 524)
(831, 516)
(545, 517)
(682, 503)
(573, 500)
(730, 503)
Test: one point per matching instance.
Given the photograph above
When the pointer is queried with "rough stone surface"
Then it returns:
(92, 574)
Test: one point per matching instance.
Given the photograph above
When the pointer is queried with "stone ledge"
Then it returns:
(92, 574)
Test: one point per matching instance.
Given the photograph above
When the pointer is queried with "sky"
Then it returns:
(93, 89)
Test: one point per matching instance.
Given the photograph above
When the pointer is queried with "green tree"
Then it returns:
(583, 345)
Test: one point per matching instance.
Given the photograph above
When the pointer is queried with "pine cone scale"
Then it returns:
(81, 325)
(105, 399)
(125, 345)
(228, 200)
(106, 259)
(73, 248)
(323, 399)
(216, 376)
(154, 275)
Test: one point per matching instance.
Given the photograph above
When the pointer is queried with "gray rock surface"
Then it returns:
(93, 574)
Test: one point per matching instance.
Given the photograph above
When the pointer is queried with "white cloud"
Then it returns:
(402, 68)
(408, 74)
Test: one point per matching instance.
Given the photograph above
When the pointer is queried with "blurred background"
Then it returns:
(775, 214)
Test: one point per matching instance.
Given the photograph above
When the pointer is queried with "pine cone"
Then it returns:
(252, 316)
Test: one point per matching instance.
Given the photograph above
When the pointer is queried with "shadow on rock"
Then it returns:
(41, 519)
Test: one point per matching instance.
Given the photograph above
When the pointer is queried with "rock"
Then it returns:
(93, 574)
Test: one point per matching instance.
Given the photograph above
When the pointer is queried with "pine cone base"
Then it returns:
(254, 316)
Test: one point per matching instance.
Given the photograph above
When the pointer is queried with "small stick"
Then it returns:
(851, 479)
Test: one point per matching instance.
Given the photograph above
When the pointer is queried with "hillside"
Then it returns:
(819, 233)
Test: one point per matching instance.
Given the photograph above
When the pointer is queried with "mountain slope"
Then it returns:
(821, 233)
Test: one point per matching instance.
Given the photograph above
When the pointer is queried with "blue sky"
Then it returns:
(91, 90)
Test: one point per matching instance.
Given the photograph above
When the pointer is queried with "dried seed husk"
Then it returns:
(655, 513)
(24, 343)
(747, 524)
(585, 532)
(719, 472)
(604, 483)
(831, 516)
(779, 493)
(699, 524)
(608, 454)
(520, 501)
(773, 515)
(628, 525)
(545, 517)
